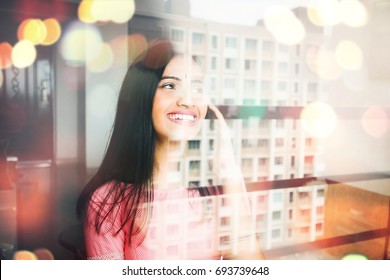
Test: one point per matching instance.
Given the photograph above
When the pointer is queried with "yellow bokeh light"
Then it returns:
(349, 55)
(124, 11)
(5, 55)
(103, 60)
(318, 119)
(84, 11)
(91, 11)
(35, 31)
(323, 62)
(284, 25)
(23, 54)
(80, 43)
(102, 10)
(53, 28)
(375, 121)
(324, 12)
(353, 13)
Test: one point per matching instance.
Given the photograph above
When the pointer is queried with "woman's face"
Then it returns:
(179, 103)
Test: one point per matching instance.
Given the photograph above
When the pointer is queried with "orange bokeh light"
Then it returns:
(53, 31)
(5, 55)
(84, 11)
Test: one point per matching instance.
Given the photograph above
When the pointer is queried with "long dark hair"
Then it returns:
(128, 161)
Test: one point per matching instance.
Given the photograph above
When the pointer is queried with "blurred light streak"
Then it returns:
(23, 54)
(353, 13)
(5, 55)
(91, 11)
(349, 55)
(1, 79)
(80, 42)
(24, 255)
(35, 31)
(318, 119)
(324, 12)
(323, 62)
(284, 25)
(375, 121)
(103, 60)
(53, 28)
(356, 80)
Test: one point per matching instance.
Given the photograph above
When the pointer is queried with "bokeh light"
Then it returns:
(284, 25)
(349, 55)
(53, 28)
(20, 31)
(318, 119)
(353, 13)
(136, 44)
(375, 121)
(91, 11)
(34, 30)
(24, 255)
(84, 11)
(323, 62)
(354, 257)
(324, 12)
(103, 60)
(80, 43)
(5, 55)
(23, 54)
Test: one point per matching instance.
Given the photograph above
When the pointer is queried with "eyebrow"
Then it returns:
(178, 79)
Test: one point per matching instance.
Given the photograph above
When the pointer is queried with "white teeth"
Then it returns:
(182, 117)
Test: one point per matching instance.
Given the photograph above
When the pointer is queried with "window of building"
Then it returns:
(319, 227)
(320, 192)
(194, 144)
(276, 215)
(246, 162)
(250, 64)
(275, 233)
(194, 184)
(279, 123)
(200, 60)
(211, 144)
(263, 161)
(231, 42)
(290, 214)
(291, 197)
(279, 142)
(198, 38)
(262, 143)
(283, 49)
(214, 42)
(213, 63)
(283, 68)
(177, 35)
(225, 221)
(250, 44)
(230, 83)
(264, 124)
(266, 85)
(296, 69)
(249, 101)
(277, 197)
(266, 66)
(304, 230)
(278, 177)
(312, 87)
(195, 165)
(292, 161)
(278, 160)
(320, 210)
(230, 64)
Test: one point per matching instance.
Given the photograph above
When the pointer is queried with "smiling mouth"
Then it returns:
(182, 117)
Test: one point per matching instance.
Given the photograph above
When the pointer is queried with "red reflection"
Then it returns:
(60, 10)
(5, 55)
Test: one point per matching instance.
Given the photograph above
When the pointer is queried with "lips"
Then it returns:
(182, 117)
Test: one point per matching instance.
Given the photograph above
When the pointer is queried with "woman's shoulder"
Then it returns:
(105, 192)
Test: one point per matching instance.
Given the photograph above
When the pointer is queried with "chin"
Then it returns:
(184, 133)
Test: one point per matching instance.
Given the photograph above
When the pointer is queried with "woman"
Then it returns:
(132, 208)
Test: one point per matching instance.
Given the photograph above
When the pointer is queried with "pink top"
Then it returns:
(177, 229)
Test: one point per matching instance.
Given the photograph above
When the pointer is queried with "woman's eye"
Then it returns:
(168, 86)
